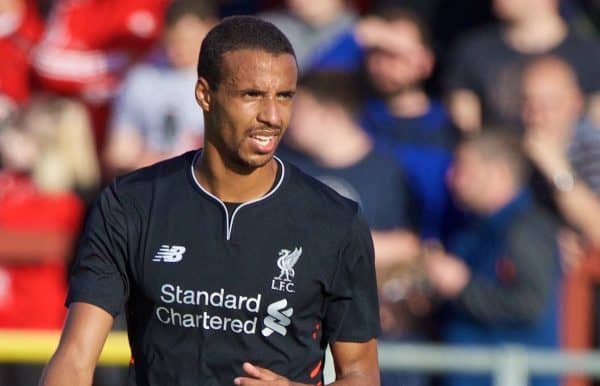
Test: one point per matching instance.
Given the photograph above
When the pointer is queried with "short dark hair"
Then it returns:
(203, 10)
(238, 33)
(392, 13)
(499, 143)
(332, 86)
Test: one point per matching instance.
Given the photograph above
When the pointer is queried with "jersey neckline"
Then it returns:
(229, 220)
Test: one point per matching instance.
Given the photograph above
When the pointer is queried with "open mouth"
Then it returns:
(264, 142)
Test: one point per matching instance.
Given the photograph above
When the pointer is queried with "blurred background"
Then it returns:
(467, 130)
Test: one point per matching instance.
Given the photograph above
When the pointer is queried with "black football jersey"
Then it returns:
(204, 290)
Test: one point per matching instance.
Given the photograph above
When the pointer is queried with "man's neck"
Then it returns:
(408, 103)
(540, 34)
(230, 181)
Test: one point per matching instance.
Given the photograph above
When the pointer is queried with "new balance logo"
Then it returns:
(278, 319)
(167, 254)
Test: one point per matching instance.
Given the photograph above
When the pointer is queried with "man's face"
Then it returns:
(468, 178)
(551, 100)
(251, 107)
(182, 40)
(306, 128)
(402, 63)
(515, 10)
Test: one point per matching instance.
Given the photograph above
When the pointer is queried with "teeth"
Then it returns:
(263, 139)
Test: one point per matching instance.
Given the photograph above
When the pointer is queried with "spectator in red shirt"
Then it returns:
(88, 60)
(20, 29)
(39, 220)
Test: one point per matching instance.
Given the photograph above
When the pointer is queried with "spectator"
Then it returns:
(67, 160)
(20, 29)
(401, 117)
(325, 141)
(500, 271)
(483, 77)
(148, 126)
(39, 220)
(86, 59)
(311, 26)
(563, 145)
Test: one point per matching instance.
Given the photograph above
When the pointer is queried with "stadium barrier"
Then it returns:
(509, 365)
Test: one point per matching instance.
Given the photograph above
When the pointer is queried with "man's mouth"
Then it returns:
(263, 142)
(262, 139)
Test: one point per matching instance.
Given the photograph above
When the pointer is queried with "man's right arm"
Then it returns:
(81, 342)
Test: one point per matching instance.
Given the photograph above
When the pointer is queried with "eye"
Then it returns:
(251, 94)
(286, 95)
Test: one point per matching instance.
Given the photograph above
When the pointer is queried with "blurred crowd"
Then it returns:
(467, 130)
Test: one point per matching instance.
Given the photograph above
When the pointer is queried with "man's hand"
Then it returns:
(448, 274)
(258, 376)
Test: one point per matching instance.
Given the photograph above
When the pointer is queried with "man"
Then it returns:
(394, 48)
(149, 126)
(500, 274)
(235, 267)
(325, 141)
(562, 144)
(483, 78)
(73, 59)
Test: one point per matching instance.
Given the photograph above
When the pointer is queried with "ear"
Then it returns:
(428, 62)
(203, 94)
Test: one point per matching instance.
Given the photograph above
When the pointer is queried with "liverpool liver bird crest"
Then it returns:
(286, 261)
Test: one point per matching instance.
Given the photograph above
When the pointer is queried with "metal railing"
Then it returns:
(509, 365)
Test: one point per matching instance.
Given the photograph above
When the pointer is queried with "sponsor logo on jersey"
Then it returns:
(169, 254)
(286, 262)
(278, 319)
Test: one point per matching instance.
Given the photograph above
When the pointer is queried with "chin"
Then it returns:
(254, 161)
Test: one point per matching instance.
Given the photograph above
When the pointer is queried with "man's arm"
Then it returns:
(465, 110)
(356, 364)
(394, 247)
(81, 342)
(576, 201)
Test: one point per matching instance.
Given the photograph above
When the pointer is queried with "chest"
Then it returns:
(200, 259)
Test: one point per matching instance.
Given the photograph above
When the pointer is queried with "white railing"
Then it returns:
(509, 365)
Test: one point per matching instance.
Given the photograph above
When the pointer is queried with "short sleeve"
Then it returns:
(353, 311)
(99, 274)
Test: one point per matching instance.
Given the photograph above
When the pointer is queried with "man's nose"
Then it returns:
(269, 113)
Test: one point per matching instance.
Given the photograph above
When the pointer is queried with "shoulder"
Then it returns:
(141, 184)
(318, 200)
(142, 76)
(479, 40)
(578, 40)
(534, 225)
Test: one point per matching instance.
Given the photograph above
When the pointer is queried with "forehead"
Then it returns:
(261, 69)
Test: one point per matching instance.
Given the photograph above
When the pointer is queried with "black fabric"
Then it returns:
(484, 63)
(232, 206)
(205, 291)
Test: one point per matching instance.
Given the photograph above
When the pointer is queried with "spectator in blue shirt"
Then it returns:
(404, 121)
(326, 141)
(154, 118)
(500, 271)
